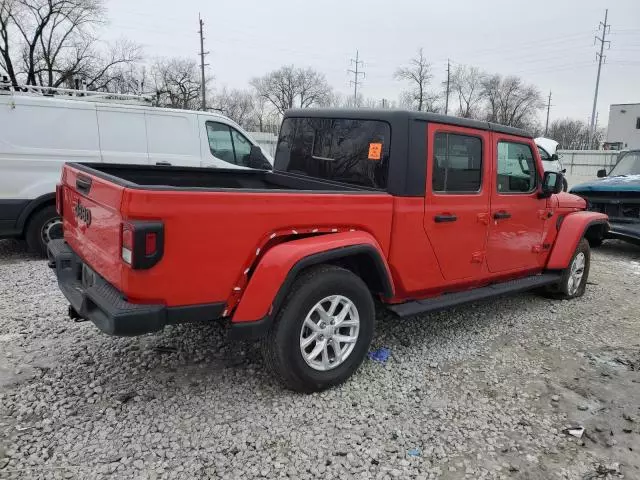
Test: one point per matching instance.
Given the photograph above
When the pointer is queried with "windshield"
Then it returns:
(629, 164)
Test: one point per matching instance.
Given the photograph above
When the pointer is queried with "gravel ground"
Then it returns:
(483, 391)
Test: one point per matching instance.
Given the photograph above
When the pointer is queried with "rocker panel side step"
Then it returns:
(447, 300)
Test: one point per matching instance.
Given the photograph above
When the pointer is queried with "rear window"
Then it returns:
(342, 150)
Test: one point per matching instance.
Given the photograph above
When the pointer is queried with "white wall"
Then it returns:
(623, 120)
(583, 165)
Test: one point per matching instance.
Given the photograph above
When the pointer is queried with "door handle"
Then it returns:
(501, 215)
(164, 164)
(445, 218)
(83, 184)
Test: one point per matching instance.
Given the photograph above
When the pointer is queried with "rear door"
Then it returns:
(517, 214)
(457, 201)
(123, 135)
(173, 138)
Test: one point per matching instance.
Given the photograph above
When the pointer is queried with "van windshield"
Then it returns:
(629, 164)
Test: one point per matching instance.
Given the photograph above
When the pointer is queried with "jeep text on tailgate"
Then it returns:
(419, 211)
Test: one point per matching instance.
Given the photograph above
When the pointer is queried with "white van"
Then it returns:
(40, 131)
(548, 150)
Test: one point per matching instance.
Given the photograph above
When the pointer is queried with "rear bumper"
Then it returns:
(629, 232)
(107, 308)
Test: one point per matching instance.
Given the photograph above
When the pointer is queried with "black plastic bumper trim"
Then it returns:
(107, 308)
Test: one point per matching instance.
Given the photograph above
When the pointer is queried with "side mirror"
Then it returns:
(602, 173)
(555, 157)
(551, 183)
(257, 159)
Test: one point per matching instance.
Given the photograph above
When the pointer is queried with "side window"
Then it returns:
(543, 154)
(220, 142)
(457, 163)
(242, 147)
(516, 168)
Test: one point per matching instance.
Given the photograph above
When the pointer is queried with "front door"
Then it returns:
(517, 214)
(457, 200)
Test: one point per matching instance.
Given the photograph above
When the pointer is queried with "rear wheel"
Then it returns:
(44, 226)
(323, 330)
(574, 277)
(565, 184)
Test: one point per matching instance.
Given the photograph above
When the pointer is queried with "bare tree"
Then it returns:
(290, 87)
(509, 101)
(7, 13)
(573, 134)
(418, 75)
(238, 105)
(53, 43)
(177, 83)
(466, 85)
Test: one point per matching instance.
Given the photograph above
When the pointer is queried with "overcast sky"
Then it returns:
(547, 42)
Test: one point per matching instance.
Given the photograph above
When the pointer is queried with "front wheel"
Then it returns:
(323, 330)
(574, 277)
(565, 184)
(44, 226)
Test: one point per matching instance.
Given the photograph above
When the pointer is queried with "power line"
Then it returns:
(356, 77)
(203, 81)
(605, 29)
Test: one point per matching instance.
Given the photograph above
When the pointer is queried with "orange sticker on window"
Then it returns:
(375, 151)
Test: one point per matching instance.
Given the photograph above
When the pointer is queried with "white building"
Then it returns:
(624, 126)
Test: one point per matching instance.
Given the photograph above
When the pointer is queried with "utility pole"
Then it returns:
(605, 27)
(446, 103)
(203, 85)
(546, 127)
(356, 77)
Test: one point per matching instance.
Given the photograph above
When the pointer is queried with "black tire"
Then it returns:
(34, 234)
(281, 347)
(565, 184)
(562, 290)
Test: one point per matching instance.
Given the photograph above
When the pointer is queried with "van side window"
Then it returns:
(516, 168)
(457, 163)
(241, 147)
(220, 142)
(228, 144)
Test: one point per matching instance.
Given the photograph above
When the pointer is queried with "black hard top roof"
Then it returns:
(393, 116)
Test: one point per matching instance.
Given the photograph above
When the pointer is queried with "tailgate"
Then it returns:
(91, 220)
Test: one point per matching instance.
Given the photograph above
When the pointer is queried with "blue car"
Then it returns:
(618, 195)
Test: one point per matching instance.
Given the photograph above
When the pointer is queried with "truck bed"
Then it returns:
(171, 178)
(215, 223)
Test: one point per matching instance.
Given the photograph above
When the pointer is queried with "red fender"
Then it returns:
(273, 271)
(572, 230)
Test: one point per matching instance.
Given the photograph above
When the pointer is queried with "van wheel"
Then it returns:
(322, 332)
(43, 227)
(574, 277)
(565, 184)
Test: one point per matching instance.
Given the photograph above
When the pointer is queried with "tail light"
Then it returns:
(59, 199)
(142, 243)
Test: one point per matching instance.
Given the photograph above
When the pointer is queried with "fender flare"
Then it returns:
(32, 206)
(572, 229)
(280, 265)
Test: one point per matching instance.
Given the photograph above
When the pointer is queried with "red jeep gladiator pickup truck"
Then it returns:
(415, 210)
